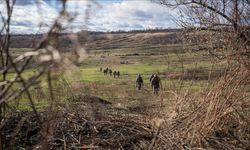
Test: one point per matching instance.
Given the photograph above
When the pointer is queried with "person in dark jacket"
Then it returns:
(118, 74)
(155, 82)
(139, 82)
(150, 79)
(110, 72)
(114, 74)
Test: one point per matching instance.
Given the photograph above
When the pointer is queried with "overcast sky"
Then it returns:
(36, 16)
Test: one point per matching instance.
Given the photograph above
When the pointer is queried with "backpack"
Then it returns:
(156, 81)
(139, 80)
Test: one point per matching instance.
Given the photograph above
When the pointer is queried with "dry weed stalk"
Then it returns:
(45, 58)
(218, 118)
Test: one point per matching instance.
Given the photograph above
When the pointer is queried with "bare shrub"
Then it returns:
(45, 59)
(214, 118)
(217, 118)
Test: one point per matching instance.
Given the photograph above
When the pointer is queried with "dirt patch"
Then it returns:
(89, 99)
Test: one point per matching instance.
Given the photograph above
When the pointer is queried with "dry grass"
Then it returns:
(214, 119)
(86, 122)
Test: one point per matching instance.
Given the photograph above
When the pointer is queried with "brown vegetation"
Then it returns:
(215, 118)
(100, 41)
(88, 122)
(196, 74)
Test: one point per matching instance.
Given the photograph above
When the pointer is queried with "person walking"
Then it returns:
(150, 79)
(155, 82)
(114, 74)
(118, 74)
(106, 71)
(110, 72)
(139, 82)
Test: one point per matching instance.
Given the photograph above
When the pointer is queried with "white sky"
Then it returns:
(31, 17)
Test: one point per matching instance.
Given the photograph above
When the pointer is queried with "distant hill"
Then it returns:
(101, 40)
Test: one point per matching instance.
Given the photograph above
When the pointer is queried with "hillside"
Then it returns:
(102, 41)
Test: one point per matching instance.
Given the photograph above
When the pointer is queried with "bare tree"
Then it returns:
(225, 25)
(46, 56)
(222, 27)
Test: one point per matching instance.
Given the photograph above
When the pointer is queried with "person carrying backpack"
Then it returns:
(139, 82)
(155, 82)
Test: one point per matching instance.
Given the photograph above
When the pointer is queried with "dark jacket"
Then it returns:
(139, 80)
(155, 82)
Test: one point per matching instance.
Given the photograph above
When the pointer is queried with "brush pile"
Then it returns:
(75, 127)
(216, 118)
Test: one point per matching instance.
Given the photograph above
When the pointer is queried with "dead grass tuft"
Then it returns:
(217, 119)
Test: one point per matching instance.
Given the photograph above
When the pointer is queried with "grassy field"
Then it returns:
(179, 70)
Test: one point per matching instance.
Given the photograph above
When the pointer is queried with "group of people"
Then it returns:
(154, 79)
(154, 83)
(108, 71)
